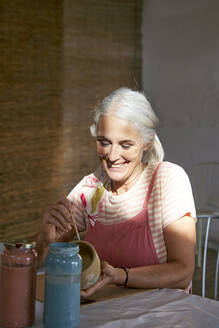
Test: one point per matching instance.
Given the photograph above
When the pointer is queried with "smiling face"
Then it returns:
(120, 148)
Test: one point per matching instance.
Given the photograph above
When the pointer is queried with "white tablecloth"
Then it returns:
(165, 308)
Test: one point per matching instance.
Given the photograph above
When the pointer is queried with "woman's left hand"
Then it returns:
(108, 276)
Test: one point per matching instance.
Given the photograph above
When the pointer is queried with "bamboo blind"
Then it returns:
(59, 59)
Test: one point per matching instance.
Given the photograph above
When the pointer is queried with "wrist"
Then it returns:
(122, 275)
(41, 248)
(41, 241)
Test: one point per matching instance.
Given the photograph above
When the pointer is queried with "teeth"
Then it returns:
(116, 165)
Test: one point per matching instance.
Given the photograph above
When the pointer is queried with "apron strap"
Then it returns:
(145, 205)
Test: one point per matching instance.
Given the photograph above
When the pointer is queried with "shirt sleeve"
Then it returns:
(177, 197)
(82, 195)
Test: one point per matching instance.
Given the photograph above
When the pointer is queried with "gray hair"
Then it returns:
(133, 106)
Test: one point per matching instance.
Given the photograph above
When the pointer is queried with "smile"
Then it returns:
(116, 165)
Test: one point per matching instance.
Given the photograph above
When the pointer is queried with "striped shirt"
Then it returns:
(171, 198)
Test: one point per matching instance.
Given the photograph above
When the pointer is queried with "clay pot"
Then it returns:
(91, 267)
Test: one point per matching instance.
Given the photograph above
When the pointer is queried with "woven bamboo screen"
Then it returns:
(59, 59)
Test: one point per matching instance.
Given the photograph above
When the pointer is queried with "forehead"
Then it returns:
(111, 126)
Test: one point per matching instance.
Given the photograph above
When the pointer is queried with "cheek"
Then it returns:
(101, 150)
(134, 156)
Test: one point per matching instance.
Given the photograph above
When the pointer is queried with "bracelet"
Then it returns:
(127, 276)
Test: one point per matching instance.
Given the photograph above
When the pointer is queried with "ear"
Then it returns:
(148, 145)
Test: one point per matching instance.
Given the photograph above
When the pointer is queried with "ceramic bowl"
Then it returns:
(91, 267)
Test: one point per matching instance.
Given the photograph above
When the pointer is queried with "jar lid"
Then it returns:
(16, 243)
(64, 248)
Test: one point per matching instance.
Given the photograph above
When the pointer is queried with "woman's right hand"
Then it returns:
(57, 223)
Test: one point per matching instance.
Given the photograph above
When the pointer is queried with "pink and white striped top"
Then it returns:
(171, 199)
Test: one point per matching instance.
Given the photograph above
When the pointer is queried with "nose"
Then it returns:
(114, 153)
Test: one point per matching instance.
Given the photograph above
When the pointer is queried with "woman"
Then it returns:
(137, 210)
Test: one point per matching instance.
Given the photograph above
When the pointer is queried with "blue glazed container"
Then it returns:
(62, 286)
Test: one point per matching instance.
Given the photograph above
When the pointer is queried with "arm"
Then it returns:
(179, 235)
(56, 226)
(176, 273)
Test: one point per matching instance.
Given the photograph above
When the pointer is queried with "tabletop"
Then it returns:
(165, 308)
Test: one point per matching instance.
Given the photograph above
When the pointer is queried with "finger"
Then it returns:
(58, 220)
(55, 223)
(101, 282)
(65, 213)
(67, 203)
(104, 265)
(89, 291)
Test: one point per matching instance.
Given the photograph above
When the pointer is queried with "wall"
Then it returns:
(181, 76)
(58, 58)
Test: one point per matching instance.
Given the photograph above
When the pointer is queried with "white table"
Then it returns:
(165, 308)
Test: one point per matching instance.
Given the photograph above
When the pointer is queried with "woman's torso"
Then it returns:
(94, 203)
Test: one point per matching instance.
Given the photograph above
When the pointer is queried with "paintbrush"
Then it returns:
(75, 225)
(73, 220)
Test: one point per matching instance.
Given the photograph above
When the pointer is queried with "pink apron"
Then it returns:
(127, 244)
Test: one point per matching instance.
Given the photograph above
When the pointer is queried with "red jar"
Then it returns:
(17, 284)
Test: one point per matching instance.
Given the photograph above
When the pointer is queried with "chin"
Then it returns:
(116, 177)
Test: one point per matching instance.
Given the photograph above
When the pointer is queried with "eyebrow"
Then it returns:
(128, 141)
(122, 141)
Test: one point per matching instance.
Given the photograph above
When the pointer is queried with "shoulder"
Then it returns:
(168, 167)
(162, 172)
(172, 181)
(169, 170)
(169, 174)
(90, 191)
(91, 181)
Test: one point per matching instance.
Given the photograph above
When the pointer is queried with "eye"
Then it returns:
(103, 143)
(126, 146)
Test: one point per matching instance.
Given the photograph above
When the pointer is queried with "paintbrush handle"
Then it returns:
(73, 220)
(75, 225)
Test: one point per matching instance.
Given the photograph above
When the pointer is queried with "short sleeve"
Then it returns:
(85, 196)
(177, 197)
